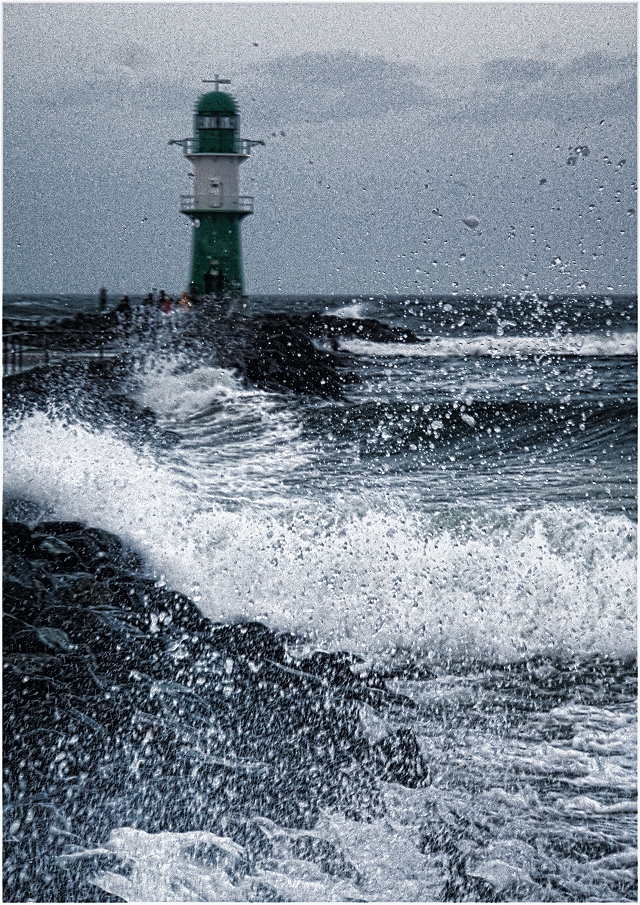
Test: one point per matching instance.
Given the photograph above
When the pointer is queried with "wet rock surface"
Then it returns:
(89, 392)
(276, 354)
(83, 331)
(278, 351)
(125, 706)
(273, 351)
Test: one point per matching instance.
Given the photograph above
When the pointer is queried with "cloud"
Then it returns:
(596, 63)
(132, 55)
(512, 69)
(317, 87)
(584, 91)
(322, 87)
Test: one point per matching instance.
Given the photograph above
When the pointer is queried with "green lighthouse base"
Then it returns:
(216, 264)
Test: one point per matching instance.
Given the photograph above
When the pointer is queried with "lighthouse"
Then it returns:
(216, 207)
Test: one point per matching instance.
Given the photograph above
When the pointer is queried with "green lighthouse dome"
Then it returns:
(216, 123)
(216, 103)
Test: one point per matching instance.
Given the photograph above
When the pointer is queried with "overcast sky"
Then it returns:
(386, 127)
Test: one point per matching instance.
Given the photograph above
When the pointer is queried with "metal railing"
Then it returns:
(241, 146)
(25, 350)
(243, 205)
(12, 352)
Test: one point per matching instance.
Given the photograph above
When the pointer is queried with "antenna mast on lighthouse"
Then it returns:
(216, 81)
(216, 207)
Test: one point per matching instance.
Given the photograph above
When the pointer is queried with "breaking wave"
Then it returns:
(357, 572)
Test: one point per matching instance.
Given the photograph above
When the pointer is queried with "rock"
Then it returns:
(273, 351)
(86, 391)
(333, 327)
(397, 758)
(17, 539)
(125, 706)
(276, 351)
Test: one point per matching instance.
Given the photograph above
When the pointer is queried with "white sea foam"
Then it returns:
(587, 344)
(177, 394)
(236, 440)
(348, 572)
(355, 311)
(166, 867)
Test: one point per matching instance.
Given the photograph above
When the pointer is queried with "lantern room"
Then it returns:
(216, 123)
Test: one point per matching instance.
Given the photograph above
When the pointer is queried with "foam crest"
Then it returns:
(181, 395)
(358, 573)
(355, 311)
(588, 345)
(378, 583)
(235, 440)
(199, 866)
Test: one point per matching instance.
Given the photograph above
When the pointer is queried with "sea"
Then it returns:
(463, 519)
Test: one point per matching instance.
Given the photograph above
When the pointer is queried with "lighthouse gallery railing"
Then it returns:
(243, 205)
(242, 146)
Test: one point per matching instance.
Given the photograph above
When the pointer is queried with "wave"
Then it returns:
(587, 345)
(358, 310)
(344, 571)
(302, 867)
(571, 426)
(233, 438)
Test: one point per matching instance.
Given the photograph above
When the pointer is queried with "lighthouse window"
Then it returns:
(215, 192)
(216, 122)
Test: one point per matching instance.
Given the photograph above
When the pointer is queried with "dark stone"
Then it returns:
(339, 668)
(124, 705)
(94, 548)
(397, 758)
(330, 326)
(250, 639)
(86, 391)
(273, 350)
(17, 538)
(58, 555)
